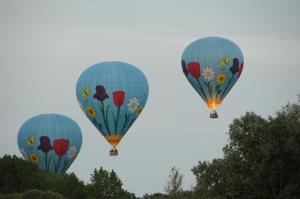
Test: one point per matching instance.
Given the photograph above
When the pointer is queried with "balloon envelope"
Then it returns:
(112, 95)
(51, 141)
(212, 65)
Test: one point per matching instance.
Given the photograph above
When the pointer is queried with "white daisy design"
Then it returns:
(133, 104)
(24, 154)
(72, 152)
(208, 73)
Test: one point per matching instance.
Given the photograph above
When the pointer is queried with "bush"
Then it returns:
(38, 194)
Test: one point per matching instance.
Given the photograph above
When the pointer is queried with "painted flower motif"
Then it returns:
(90, 110)
(139, 110)
(85, 92)
(241, 69)
(100, 93)
(208, 73)
(45, 145)
(194, 69)
(133, 104)
(34, 158)
(24, 154)
(235, 66)
(61, 146)
(72, 152)
(221, 78)
(119, 97)
(185, 71)
(30, 141)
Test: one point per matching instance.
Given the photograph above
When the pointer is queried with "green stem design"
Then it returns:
(116, 120)
(201, 89)
(65, 164)
(57, 165)
(49, 162)
(125, 122)
(104, 115)
(227, 86)
(131, 122)
(209, 88)
(46, 160)
(218, 90)
(95, 122)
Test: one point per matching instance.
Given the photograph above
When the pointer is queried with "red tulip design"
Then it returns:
(119, 97)
(61, 146)
(241, 69)
(194, 69)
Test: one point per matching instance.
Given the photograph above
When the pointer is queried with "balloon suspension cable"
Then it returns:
(113, 151)
(214, 113)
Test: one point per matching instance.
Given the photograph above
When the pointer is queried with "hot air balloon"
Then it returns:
(112, 95)
(212, 65)
(51, 141)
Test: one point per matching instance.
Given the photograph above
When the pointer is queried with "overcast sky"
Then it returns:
(45, 45)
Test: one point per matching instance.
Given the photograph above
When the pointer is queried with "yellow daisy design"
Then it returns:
(34, 158)
(221, 78)
(91, 112)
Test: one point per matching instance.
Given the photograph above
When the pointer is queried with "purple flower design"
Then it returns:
(100, 93)
(45, 145)
(235, 66)
(185, 71)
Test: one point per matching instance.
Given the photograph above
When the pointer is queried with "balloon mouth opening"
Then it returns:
(213, 104)
(114, 140)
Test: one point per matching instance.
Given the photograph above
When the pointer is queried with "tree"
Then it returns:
(17, 175)
(38, 194)
(261, 160)
(107, 185)
(155, 196)
(33, 194)
(67, 185)
(174, 185)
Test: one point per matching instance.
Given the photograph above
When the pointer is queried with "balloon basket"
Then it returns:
(213, 114)
(113, 152)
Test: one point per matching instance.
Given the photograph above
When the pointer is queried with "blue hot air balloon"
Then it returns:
(51, 141)
(112, 95)
(212, 65)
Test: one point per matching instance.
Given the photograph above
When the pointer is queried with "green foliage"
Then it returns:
(262, 159)
(17, 175)
(33, 194)
(11, 196)
(68, 185)
(155, 196)
(174, 186)
(106, 185)
(38, 194)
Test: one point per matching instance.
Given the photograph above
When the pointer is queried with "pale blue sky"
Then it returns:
(45, 45)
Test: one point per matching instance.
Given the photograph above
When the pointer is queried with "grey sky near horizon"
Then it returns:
(45, 45)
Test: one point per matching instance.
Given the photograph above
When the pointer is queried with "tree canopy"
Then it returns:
(261, 160)
(22, 179)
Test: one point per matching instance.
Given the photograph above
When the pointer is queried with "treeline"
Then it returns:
(23, 179)
(261, 160)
